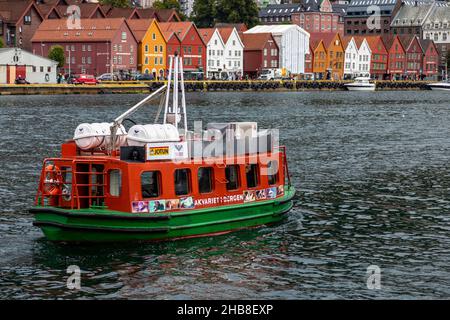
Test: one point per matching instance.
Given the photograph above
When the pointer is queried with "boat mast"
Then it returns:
(175, 115)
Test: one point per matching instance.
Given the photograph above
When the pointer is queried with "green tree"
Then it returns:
(204, 13)
(169, 4)
(1, 43)
(237, 11)
(56, 53)
(117, 3)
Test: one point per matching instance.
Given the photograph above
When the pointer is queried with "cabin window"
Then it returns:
(232, 176)
(115, 182)
(272, 172)
(66, 173)
(205, 180)
(251, 173)
(150, 184)
(182, 181)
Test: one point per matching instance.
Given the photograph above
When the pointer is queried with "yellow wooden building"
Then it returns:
(151, 55)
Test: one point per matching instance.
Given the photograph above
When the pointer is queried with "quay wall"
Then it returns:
(192, 86)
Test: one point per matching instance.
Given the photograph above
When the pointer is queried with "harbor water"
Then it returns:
(372, 172)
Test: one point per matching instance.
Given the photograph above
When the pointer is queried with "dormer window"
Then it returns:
(27, 19)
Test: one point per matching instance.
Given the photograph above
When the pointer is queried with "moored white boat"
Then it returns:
(361, 84)
(441, 86)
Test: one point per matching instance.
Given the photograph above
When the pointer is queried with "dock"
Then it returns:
(140, 87)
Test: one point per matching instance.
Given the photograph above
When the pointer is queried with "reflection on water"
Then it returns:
(373, 178)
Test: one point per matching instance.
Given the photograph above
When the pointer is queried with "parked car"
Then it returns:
(82, 79)
(145, 77)
(105, 77)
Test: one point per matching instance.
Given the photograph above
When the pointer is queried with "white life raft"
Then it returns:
(139, 135)
(90, 136)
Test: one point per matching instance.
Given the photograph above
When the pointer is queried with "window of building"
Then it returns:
(146, 48)
(151, 184)
(124, 35)
(115, 182)
(182, 181)
(27, 19)
(232, 177)
(89, 60)
(160, 48)
(205, 179)
(49, 69)
(251, 173)
(83, 48)
(153, 36)
(156, 48)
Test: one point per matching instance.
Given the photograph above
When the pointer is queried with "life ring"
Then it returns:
(53, 180)
(47, 77)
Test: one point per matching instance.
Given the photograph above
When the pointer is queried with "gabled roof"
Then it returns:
(389, 41)
(276, 29)
(412, 15)
(207, 33)
(162, 15)
(373, 42)
(240, 27)
(181, 29)
(255, 41)
(87, 10)
(225, 33)
(169, 35)
(346, 40)
(439, 14)
(13, 11)
(327, 38)
(359, 41)
(93, 30)
(407, 40)
(139, 27)
(426, 43)
(127, 13)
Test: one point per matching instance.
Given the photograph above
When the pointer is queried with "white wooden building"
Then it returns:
(234, 53)
(351, 59)
(293, 44)
(215, 50)
(357, 58)
(15, 62)
(364, 58)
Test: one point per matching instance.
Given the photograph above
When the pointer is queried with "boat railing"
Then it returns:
(286, 167)
(74, 186)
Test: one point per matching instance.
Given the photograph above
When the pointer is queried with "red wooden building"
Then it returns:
(414, 56)
(192, 47)
(430, 60)
(379, 58)
(173, 44)
(260, 52)
(309, 60)
(19, 20)
(101, 46)
(397, 57)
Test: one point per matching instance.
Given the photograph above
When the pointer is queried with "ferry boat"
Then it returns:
(160, 181)
(441, 86)
(360, 84)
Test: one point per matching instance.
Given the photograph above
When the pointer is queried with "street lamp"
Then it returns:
(69, 61)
